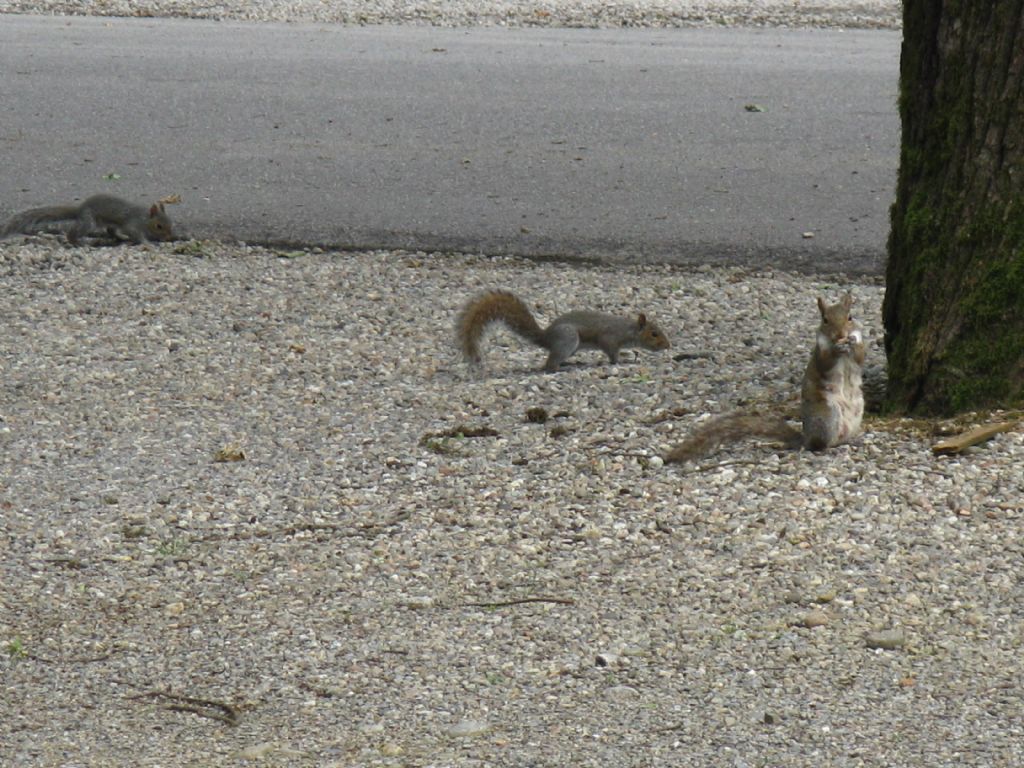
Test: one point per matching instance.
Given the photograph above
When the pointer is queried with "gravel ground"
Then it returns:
(358, 588)
(535, 13)
(361, 590)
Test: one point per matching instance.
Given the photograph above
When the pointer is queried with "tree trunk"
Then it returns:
(954, 302)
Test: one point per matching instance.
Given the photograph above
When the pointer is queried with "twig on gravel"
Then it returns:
(71, 660)
(975, 436)
(521, 601)
(68, 562)
(358, 531)
(932, 471)
(668, 728)
(214, 710)
(723, 464)
(669, 415)
(460, 431)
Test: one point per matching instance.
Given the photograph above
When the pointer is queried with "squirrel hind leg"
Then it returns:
(820, 432)
(84, 226)
(562, 341)
(816, 444)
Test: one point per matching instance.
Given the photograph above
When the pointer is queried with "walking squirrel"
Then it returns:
(832, 403)
(98, 213)
(580, 329)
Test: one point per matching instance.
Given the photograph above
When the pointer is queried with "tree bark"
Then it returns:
(954, 302)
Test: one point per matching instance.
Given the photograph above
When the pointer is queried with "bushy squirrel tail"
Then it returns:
(731, 428)
(491, 307)
(28, 221)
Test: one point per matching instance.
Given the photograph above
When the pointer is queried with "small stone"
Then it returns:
(418, 602)
(621, 693)
(886, 639)
(921, 501)
(469, 728)
(257, 751)
(957, 503)
(134, 531)
(815, 618)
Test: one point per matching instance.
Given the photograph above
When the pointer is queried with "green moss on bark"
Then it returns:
(954, 306)
(970, 342)
(983, 364)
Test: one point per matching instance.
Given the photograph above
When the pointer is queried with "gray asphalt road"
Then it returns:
(633, 144)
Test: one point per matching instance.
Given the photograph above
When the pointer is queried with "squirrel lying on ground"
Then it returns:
(580, 329)
(106, 213)
(832, 403)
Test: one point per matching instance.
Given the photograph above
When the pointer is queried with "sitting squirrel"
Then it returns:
(98, 213)
(832, 403)
(569, 332)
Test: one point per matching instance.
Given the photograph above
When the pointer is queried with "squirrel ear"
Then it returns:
(153, 210)
(641, 321)
(848, 300)
(822, 307)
